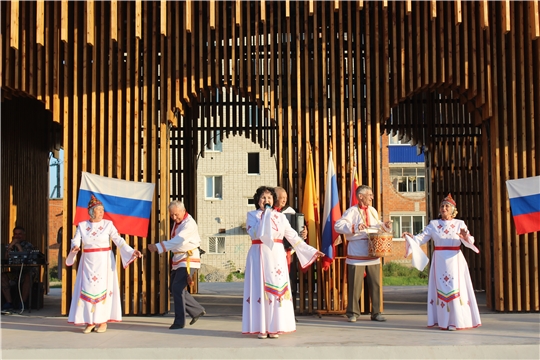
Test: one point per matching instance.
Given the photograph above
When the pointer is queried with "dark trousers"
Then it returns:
(355, 276)
(183, 301)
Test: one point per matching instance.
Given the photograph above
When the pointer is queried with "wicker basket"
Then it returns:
(380, 244)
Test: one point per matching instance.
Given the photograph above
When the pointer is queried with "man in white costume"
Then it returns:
(184, 244)
(355, 224)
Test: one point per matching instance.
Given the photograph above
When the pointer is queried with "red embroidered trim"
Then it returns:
(96, 249)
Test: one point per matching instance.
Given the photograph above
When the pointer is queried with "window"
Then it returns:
(214, 187)
(218, 146)
(254, 167)
(407, 223)
(408, 179)
(251, 202)
(216, 245)
(394, 140)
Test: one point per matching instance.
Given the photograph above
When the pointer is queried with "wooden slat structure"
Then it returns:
(138, 88)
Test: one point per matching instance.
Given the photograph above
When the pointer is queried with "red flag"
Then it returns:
(354, 186)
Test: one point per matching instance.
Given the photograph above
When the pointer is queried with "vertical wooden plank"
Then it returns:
(433, 11)
(505, 16)
(484, 14)
(163, 17)
(40, 15)
(90, 22)
(211, 47)
(534, 19)
(316, 104)
(212, 14)
(114, 20)
(457, 12)
(402, 71)
(138, 19)
(263, 11)
(272, 61)
(14, 29)
(193, 45)
(201, 48)
(64, 18)
(520, 36)
(189, 15)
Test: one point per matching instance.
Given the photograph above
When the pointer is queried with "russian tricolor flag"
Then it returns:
(524, 197)
(127, 203)
(331, 214)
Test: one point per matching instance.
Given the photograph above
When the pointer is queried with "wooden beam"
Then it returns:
(114, 20)
(163, 17)
(238, 8)
(534, 10)
(457, 11)
(90, 8)
(189, 16)
(506, 17)
(40, 17)
(14, 27)
(138, 19)
(212, 14)
(484, 14)
(433, 5)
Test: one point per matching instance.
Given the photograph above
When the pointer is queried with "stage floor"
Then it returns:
(45, 334)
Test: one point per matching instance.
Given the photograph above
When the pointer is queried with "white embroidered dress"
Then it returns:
(267, 305)
(451, 298)
(96, 295)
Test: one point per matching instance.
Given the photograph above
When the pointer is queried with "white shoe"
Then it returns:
(262, 336)
(352, 318)
(273, 336)
(451, 328)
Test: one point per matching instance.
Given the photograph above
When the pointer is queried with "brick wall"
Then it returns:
(394, 203)
(55, 222)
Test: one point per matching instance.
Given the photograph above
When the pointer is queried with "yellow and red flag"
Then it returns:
(310, 205)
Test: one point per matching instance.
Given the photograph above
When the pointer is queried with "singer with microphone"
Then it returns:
(267, 303)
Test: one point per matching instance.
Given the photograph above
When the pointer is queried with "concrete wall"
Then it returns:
(228, 215)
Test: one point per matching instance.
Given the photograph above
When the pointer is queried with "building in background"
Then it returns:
(227, 178)
(404, 195)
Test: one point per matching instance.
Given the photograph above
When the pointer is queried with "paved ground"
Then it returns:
(44, 334)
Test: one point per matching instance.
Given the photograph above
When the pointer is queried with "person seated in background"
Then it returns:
(18, 243)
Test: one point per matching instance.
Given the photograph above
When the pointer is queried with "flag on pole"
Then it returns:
(310, 205)
(524, 197)
(331, 214)
(127, 203)
(354, 186)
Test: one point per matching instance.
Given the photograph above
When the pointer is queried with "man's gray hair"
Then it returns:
(177, 204)
(362, 189)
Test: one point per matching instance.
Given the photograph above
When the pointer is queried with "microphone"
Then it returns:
(267, 206)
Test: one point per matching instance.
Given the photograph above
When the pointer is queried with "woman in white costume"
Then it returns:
(96, 295)
(451, 300)
(267, 304)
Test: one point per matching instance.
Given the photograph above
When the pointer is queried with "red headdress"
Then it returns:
(449, 200)
(94, 201)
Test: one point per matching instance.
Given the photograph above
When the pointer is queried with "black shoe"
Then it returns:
(175, 327)
(194, 320)
(378, 317)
